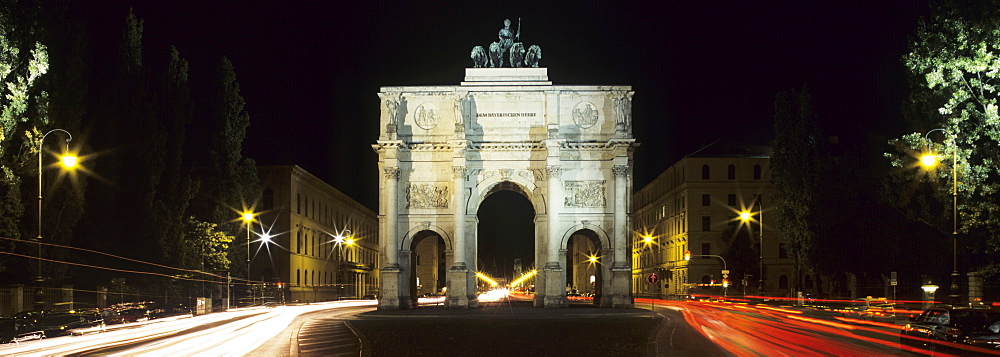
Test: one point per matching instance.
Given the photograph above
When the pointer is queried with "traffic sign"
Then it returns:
(652, 278)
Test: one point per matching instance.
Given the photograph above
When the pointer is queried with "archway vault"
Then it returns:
(443, 150)
(407, 241)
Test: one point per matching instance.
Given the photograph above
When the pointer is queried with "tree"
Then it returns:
(954, 63)
(23, 62)
(230, 184)
(796, 165)
(205, 247)
(177, 187)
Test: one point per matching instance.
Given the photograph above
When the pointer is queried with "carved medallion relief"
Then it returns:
(585, 114)
(426, 116)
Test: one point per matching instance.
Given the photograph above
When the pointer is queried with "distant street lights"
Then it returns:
(930, 159)
(747, 217)
(68, 160)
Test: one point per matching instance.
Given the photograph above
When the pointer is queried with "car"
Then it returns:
(137, 314)
(111, 316)
(14, 330)
(68, 323)
(868, 308)
(954, 330)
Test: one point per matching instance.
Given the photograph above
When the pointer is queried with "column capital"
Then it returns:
(620, 170)
(554, 171)
(391, 173)
(458, 171)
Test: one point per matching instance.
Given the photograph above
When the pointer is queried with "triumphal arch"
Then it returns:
(444, 149)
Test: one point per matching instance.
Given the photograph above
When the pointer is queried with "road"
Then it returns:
(233, 333)
(688, 328)
(741, 329)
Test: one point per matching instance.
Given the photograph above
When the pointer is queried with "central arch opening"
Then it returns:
(506, 235)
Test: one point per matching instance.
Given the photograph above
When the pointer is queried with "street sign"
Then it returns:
(652, 278)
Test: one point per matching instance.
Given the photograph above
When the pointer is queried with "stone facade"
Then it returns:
(692, 206)
(444, 149)
(305, 214)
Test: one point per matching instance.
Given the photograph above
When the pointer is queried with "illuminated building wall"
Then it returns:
(693, 206)
(307, 215)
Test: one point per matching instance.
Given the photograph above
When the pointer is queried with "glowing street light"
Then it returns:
(929, 160)
(747, 216)
(248, 217)
(68, 160)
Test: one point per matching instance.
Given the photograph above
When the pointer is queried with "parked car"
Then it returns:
(111, 316)
(17, 330)
(136, 314)
(950, 329)
(68, 323)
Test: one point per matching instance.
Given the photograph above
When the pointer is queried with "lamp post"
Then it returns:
(68, 160)
(930, 159)
(248, 218)
(342, 239)
(747, 216)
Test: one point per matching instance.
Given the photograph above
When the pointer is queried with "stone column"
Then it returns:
(459, 294)
(621, 271)
(555, 291)
(391, 270)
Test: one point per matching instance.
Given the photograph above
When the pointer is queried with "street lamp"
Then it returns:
(247, 217)
(342, 239)
(930, 159)
(746, 217)
(68, 160)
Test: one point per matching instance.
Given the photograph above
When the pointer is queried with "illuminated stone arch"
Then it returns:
(443, 150)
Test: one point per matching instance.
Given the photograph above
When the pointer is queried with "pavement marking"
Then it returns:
(327, 336)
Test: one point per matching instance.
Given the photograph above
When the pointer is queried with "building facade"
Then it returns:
(695, 206)
(325, 245)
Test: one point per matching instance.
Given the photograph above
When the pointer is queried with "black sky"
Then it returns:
(702, 70)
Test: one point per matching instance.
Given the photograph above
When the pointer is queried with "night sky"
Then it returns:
(702, 71)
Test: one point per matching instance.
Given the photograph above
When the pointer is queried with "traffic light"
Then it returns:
(725, 283)
(687, 255)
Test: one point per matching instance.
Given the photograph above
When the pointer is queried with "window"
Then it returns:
(706, 249)
(705, 174)
(732, 200)
(298, 203)
(706, 223)
(756, 172)
(298, 276)
(731, 172)
(782, 253)
(298, 242)
(783, 282)
(706, 200)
